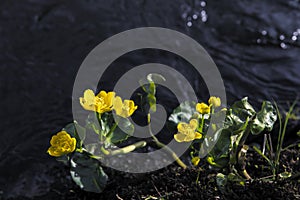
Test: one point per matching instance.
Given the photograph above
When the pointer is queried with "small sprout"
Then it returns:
(195, 161)
(285, 175)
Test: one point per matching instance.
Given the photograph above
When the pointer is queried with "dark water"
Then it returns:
(42, 44)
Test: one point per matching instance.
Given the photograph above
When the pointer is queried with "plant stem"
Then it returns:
(161, 145)
(104, 151)
(282, 133)
(168, 149)
(128, 149)
(202, 124)
(239, 152)
(198, 175)
(290, 146)
(267, 159)
(123, 150)
(246, 175)
(112, 129)
(279, 135)
(98, 116)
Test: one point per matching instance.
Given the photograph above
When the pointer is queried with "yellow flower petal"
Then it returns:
(182, 126)
(193, 124)
(102, 94)
(110, 98)
(89, 95)
(189, 137)
(88, 100)
(117, 105)
(179, 137)
(61, 144)
(124, 109)
(202, 108)
(198, 135)
(186, 132)
(100, 103)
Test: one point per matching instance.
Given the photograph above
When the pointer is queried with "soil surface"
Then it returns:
(174, 182)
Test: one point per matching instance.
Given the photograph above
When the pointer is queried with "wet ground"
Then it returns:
(42, 44)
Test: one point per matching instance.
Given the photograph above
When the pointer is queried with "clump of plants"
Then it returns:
(189, 122)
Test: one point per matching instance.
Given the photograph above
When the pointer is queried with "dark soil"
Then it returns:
(175, 183)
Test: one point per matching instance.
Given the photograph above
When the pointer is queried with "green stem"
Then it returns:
(212, 110)
(282, 133)
(104, 151)
(267, 159)
(198, 175)
(98, 116)
(128, 148)
(161, 145)
(123, 150)
(113, 128)
(246, 175)
(169, 150)
(279, 134)
(202, 124)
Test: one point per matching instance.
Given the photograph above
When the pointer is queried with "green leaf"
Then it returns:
(106, 123)
(122, 132)
(221, 180)
(76, 131)
(152, 102)
(117, 136)
(183, 113)
(236, 123)
(238, 114)
(152, 88)
(156, 78)
(148, 84)
(219, 155)
(87, 173)
(264, 119)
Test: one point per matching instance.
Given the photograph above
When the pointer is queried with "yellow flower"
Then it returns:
(124, 109)
(186, 132)
(101, 103)
(203, 108)
(104, 101)
(61, 144)
(214, 101)
(88, 100)
(195, 161)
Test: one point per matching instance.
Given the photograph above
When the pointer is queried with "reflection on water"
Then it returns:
(255, 44)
